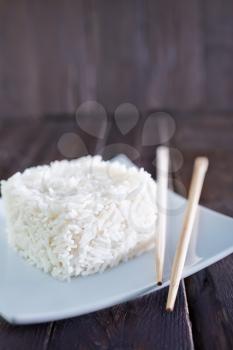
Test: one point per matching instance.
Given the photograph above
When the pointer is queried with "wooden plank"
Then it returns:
(18, 142)
(209, 292)
(24, 337)
(139, 324)
(60, 53)
(218, 29)
(176, 78)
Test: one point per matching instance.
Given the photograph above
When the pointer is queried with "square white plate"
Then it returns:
(28, 295)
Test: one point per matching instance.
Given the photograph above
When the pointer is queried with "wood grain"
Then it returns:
(218, 31)
(140, 324)
(209, 292)
(57, 54)
(21, 337)
(155, 54)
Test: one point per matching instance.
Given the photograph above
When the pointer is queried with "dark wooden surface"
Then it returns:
(210, 291)
(161, 54)
(203, 316)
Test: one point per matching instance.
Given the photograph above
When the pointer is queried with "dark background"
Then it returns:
(163, 54)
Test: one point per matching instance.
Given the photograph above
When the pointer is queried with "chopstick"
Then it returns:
(162, 163)
(199, 171)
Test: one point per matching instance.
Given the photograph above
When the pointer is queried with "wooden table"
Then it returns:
(203, 316)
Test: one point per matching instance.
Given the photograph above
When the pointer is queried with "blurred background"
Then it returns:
(164, 54)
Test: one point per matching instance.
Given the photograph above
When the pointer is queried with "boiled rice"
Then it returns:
(78, 217)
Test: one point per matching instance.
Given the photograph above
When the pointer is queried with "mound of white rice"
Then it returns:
(78, 217)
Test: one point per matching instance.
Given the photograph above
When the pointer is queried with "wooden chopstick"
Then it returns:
(199, 171)
(162, 164)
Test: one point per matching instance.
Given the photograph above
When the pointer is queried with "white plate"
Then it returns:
(27, 295)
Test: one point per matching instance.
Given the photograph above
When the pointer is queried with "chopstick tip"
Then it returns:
(169, 309)
(202, 162)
